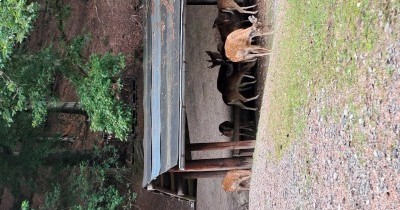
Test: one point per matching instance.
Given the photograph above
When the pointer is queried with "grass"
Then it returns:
(319, 59)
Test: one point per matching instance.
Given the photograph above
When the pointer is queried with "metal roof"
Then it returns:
(163, 86)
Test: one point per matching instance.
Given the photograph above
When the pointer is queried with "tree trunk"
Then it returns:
(66, 107)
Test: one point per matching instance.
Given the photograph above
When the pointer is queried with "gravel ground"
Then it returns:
(329, 167)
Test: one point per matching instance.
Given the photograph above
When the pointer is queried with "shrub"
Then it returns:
(105, 112)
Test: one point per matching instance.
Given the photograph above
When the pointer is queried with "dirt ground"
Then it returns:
(117, 27)
(113, 26)
(325, 169)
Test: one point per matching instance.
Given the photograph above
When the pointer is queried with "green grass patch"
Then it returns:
(320, 50)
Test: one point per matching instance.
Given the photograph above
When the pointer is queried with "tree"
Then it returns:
(16, 17)
(26, 78)
(25, 84)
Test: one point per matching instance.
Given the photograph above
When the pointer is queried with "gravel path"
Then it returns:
(329, 168)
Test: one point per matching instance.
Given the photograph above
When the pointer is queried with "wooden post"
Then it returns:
(180, 186)
(219, 164)
(236, 126)
(162, 180)
(173, 188)
(230, 145)
(191, 187)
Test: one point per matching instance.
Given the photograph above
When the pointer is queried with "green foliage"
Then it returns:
(103, 198)
(91, 187)
(16, 17)
(106, 113)
(21, 152)
(73, 53)
(94, 83)
(25, 78)
(25, 81)
(52, 199)
(62, 14)
(24, 84)
(25, 205)
(95, 187)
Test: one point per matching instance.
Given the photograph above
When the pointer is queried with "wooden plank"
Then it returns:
(219, 164)
(201, 2)
(202, 174)
(173, 194)
(244, 154)
(207, 2)
(230, 145)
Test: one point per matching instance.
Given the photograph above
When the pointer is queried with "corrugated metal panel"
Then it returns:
(156, 70)
(162, 67)
(147, 99)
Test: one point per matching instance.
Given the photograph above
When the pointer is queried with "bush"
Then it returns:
(91, 186)
(105, 112)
